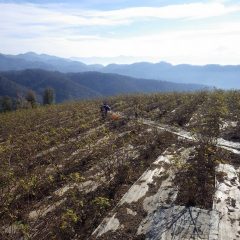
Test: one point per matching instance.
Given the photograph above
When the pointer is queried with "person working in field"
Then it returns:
(104, 110)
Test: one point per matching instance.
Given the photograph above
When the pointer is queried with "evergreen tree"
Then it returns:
(31, 98)
(7, 104)
(48, 96)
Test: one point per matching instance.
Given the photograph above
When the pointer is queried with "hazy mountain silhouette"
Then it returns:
(32, 60)
(212, 75)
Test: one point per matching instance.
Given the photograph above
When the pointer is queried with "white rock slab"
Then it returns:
(109, 224)
(180, 223)
(227, 202)
(140, 189)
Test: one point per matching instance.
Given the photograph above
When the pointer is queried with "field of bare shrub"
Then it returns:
(63, 167)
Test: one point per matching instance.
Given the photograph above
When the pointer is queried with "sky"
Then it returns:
(191, 31)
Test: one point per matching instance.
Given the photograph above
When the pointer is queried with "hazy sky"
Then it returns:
(197, 32)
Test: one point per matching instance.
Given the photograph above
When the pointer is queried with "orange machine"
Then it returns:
(115, 116)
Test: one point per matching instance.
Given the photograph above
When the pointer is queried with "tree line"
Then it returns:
(29, 100)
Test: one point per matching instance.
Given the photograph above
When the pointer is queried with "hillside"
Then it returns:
(70, 86)
(225, 77)
(168, 166)
(38, 80)
(10, 88)
(113, 84)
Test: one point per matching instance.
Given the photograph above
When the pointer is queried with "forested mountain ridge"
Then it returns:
(9, 87)
(86, 85)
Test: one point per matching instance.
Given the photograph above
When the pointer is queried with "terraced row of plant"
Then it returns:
(68, 168)
(187, 110)
(63, 167)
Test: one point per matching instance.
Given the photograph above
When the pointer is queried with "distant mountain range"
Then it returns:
(85, 85)
(225, 77)
(32, 60)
